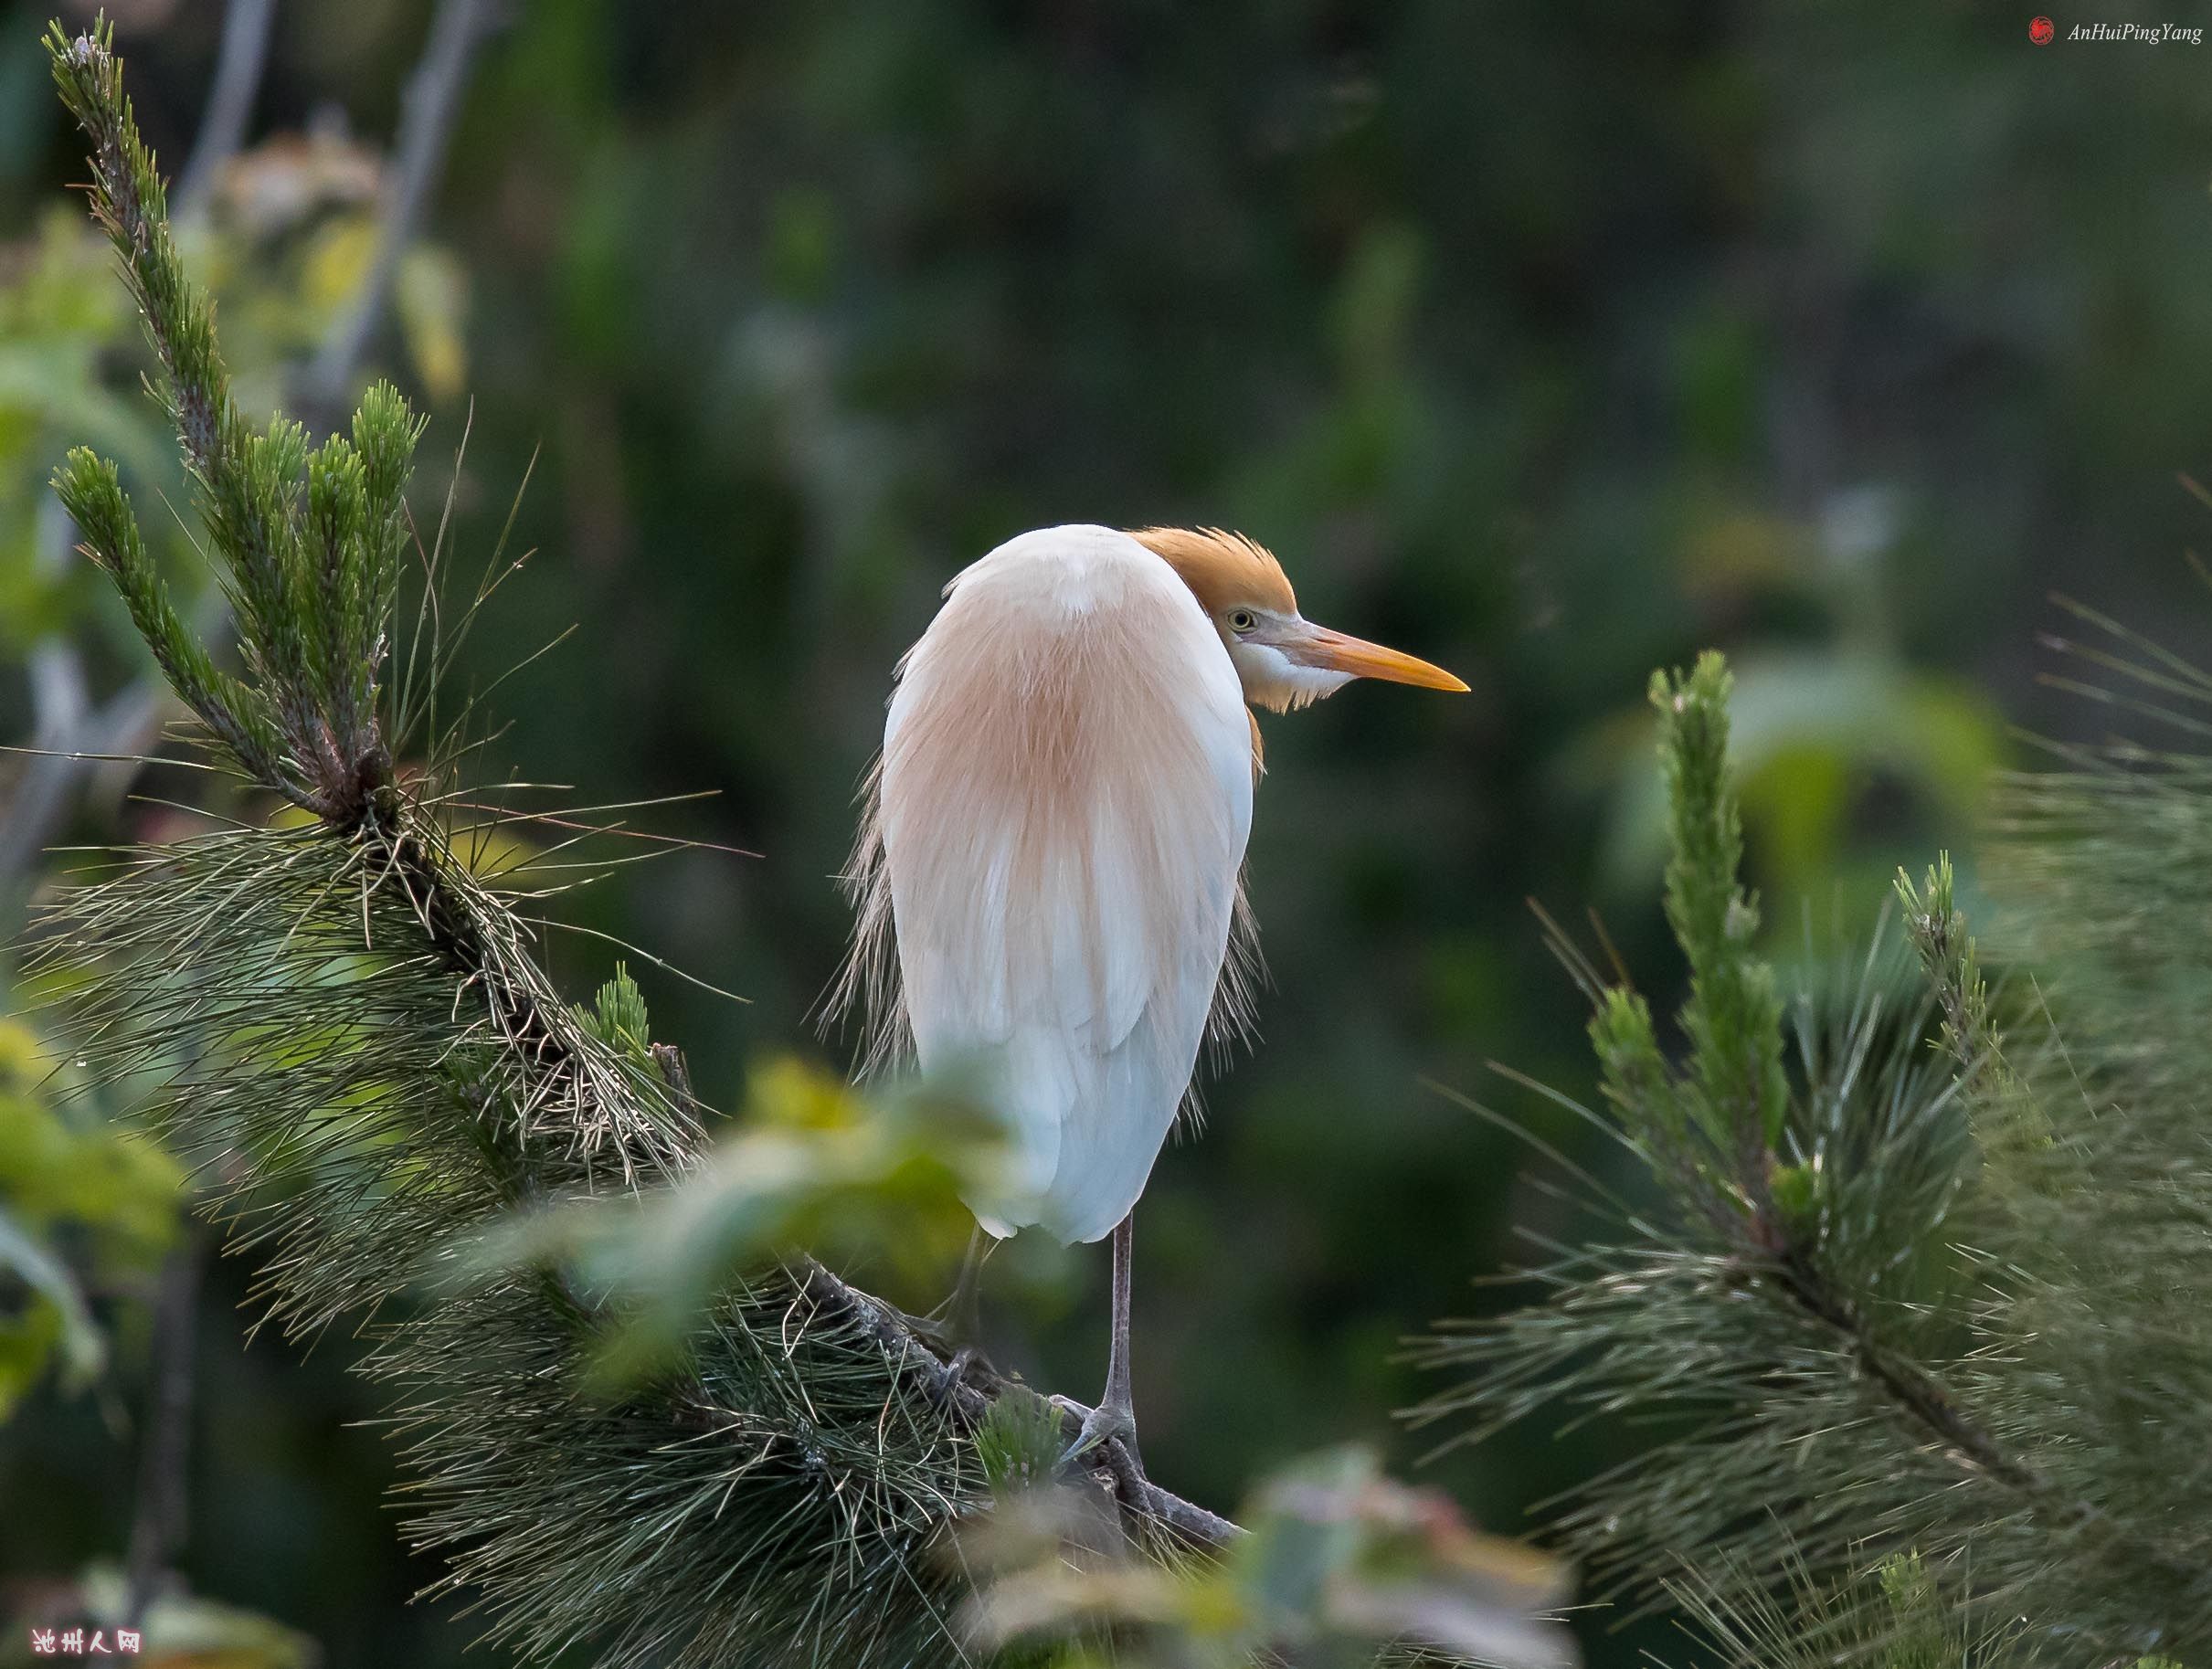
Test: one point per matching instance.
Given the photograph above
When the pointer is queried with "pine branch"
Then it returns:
(352, 1038)
(972, 1396)
(1841, 1380)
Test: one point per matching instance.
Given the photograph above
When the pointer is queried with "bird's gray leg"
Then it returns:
(963, 1311)
(1118, 1396)
(963, 1326)
(1115, 1415)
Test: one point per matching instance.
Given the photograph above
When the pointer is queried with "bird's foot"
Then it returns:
(952, 1375)
(931, 1327)
(1109, 1434)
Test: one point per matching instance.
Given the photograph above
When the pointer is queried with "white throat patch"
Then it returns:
(1272, 679)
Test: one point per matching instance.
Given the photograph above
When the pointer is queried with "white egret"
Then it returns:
(1054, 844)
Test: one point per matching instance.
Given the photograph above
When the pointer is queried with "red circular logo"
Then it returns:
(2042, 31)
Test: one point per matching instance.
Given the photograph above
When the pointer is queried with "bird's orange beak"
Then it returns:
(1316, 646)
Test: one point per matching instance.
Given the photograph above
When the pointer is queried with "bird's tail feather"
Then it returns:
(867, 987)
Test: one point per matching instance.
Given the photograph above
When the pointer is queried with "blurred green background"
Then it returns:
(1549, 341)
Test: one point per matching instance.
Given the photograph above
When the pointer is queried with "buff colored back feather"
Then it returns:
(1049, 871)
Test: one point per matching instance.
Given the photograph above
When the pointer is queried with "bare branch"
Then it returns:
(432, 100)
(158, 1529)
(237, 81)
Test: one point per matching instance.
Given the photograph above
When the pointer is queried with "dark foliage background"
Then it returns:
(1550, 342)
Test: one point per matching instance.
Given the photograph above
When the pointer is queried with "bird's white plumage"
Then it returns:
(1062, 804)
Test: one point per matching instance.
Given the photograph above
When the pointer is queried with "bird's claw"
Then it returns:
(933, 1327)
(952, 1375)
(1109, 1432)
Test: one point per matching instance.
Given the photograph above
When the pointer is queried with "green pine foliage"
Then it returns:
(1898, 1618)
(343, 1027)
(1703, 1125)
(1923, 1330)
(305, 724)
(309, 539)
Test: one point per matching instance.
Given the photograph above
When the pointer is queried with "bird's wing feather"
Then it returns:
(1063, 806)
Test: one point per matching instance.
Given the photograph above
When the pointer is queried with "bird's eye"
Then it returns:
(1243, 619)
